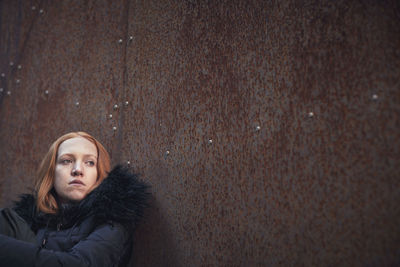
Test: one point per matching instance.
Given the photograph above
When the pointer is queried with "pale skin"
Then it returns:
(76, 169)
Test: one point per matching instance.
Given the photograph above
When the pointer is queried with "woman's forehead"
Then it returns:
(77, 145)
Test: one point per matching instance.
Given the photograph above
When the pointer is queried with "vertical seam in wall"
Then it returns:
(18, 54)
(124, 83)
(28, 34)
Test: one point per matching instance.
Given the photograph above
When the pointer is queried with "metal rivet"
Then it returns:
(46, 92)
(311, 114)
(210, 141)
(120, 41)
(126, 103)
(8, 92)
(114, 128)
(33, 8)
(17, 80)
(374, 96)
(258, 127)
(128, 162)
(41, 11)
(167, 152)
(110, 116)
(115, 106)
(11, 63)
(19, 67)
(3, 75)
(77, 103)
(130, 38)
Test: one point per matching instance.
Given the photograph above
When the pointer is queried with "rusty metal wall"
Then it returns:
(269, 130)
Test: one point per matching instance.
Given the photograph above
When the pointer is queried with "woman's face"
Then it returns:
(76, 169)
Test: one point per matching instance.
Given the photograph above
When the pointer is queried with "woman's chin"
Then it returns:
(73, 198)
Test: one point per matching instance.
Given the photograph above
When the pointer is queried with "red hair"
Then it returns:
(46, 201)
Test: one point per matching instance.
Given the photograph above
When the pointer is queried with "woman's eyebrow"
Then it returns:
(91, 155)
(65, 154)
(72, 155)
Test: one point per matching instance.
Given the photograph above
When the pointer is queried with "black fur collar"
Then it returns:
(121, 198)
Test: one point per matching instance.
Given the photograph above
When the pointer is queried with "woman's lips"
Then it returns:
(76, 182)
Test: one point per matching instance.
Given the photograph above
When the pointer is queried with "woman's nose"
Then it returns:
(77, 169)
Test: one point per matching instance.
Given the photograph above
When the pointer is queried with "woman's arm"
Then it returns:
(12, 225)
(103, 247)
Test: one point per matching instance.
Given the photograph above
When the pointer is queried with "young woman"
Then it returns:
(81, 213)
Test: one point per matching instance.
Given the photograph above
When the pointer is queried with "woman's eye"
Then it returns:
(66, 161)
(90, 163)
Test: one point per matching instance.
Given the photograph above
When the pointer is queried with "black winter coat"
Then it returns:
(95, 232)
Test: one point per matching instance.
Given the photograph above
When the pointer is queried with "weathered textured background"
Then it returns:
(269, 130)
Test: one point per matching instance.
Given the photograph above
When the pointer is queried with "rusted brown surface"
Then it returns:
(268, 130)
